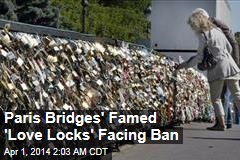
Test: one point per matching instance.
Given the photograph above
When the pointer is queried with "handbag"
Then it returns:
(209, 61)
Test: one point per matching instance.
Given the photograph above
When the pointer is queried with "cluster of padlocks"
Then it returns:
(51, 73)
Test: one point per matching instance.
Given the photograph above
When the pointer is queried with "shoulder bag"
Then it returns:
(209, 61)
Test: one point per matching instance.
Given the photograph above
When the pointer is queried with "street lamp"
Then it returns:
(84, 4)
(147, 13)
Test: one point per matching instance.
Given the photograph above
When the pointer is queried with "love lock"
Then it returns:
(40, 72)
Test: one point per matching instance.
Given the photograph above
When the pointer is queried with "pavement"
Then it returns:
(198, 144)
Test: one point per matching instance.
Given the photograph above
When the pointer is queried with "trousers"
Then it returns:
(227, 105)
(216, 88)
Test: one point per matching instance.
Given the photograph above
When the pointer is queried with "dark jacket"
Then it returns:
(230, 37)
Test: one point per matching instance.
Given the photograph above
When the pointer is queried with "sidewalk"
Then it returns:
(198, 144)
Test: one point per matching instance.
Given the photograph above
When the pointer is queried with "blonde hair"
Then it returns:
(202, 11)
(199, 22)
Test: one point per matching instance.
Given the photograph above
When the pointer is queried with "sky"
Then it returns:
(235, 7)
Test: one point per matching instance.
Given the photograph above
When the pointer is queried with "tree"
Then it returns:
(120, 19)
(237, 36)
(37, 12)
(29, 11)
(7, 10)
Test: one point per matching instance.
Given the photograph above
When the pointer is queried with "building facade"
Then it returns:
(170, 32)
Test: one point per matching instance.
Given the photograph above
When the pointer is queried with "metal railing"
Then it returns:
(43, 30)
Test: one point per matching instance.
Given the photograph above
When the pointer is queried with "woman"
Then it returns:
(226, 69)
(235, 54)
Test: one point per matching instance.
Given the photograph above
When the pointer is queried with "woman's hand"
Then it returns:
(181, 66)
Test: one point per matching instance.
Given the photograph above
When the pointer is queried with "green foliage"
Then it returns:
(70, 14)
(7, 10)
(238, 40)
(29, 11)
(37, 12)
(237, 36)
(118, 19)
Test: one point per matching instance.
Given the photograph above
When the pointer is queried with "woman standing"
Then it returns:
(226, 70)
